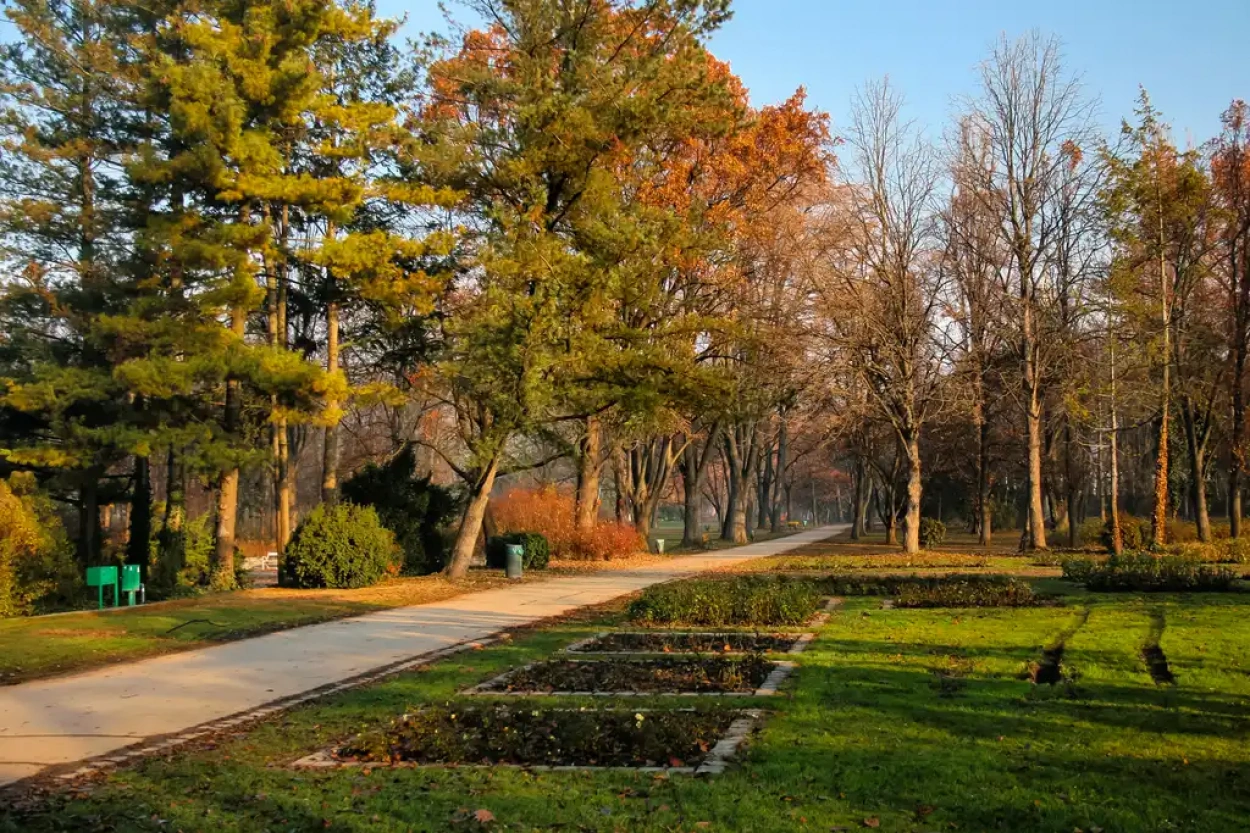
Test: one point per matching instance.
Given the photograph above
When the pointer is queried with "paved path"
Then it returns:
(60, 721)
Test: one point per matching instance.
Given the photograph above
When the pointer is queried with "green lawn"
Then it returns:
(900, 720)
(43, 646)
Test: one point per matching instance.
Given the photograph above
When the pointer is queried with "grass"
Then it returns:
(44, 646)
(899, 720)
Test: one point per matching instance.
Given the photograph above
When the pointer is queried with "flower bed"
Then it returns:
(668, 642)
(662, 675)
(684, 739)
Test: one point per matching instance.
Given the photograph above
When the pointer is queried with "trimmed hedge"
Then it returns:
(1143, 572)
(745, 600)
(1219, 551)
(537, 552)
(941, 591)
(340, 546)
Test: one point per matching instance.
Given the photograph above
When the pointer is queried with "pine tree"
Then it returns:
(65, 123)
(531, 119)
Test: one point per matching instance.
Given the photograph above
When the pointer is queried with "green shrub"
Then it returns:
(343, 545)
(1144, 572)
(743, 600)
(37, 568)
(409, 506)
(536, 550)
(1135, 533)
(958, 590)
(1090, 532)
(932, 532)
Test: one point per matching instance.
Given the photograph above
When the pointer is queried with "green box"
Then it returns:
(101, 577)
(132, 580)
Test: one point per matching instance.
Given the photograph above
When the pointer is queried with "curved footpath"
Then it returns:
(61, 721)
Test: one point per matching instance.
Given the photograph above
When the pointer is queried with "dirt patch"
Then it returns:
(1156, 661)
(80, 632)
(1050, 671)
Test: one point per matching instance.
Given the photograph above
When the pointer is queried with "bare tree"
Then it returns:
(975, 259)
(885, 288)
(1033, 113)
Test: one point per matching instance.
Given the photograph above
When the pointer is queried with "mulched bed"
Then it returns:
(544, 737)
(687, 643)
(659, 676)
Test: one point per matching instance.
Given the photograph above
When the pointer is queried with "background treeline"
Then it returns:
(251, 248)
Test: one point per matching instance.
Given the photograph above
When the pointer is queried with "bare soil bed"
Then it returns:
(659, 642)
(664, 675)
(525, 736)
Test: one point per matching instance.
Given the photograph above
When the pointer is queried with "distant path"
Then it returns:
(61, 721)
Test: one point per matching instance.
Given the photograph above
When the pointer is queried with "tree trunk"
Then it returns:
(171, 550)
(1033, 419)
(1069, 480)
(1159, 520)
(1117, 540)
(738, 517)
(911, 532)
(1159, 517)
(330, 457)
(691, 536)
(783, 452)
(860, 509)
(89, 518)
(764, 486)
(694, 462)
(589, 463)
(138, 545)
(1237, 430)
(731, 499)
(620, 478)
(221, 571)
(471, 523)
(1195, 439)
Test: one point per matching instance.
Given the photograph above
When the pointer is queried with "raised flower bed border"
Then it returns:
(781, 670)
(717, 760)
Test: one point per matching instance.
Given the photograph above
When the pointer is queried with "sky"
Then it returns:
(1193, 56)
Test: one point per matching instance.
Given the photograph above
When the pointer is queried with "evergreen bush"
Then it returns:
(932, 532)
(536, 550)
(341, 545)
(409, 506)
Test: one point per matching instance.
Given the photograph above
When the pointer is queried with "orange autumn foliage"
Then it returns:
(550, 512)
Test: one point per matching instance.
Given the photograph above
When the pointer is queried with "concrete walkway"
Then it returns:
(61, 721)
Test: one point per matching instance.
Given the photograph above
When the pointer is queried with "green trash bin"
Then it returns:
(101, 577)
(132, 581)
(515, 558)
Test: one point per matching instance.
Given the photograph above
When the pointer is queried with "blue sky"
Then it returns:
(1193, 57)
